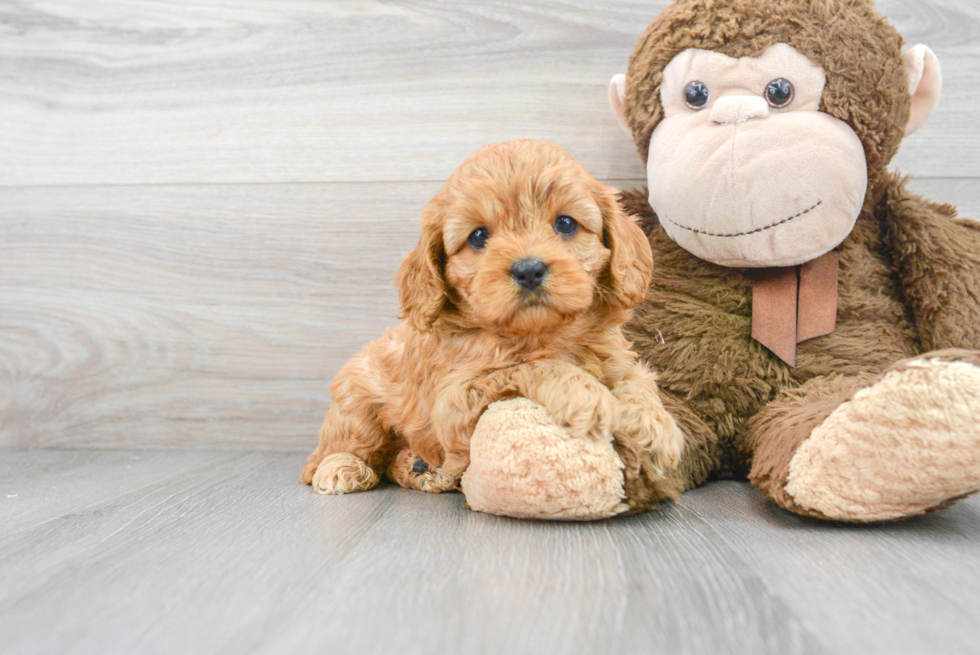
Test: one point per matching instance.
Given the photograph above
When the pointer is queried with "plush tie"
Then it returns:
(794, 303)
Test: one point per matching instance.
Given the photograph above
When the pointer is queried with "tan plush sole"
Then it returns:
(905, 445)
(524, 465)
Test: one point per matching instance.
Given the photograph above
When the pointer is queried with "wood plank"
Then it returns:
(657, 583)
(40, 485)
(203, 315)
(944, 146)
(239, 557)
(892, 578)
(246, 558)
(191, 315)
(964, 193)
(131, 91)
(176, 566)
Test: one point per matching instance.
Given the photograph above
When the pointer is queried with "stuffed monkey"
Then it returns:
(815, 325)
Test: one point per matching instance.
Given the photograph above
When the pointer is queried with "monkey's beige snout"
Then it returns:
(738, 109)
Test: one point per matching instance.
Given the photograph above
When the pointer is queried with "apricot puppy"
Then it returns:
(525, 270)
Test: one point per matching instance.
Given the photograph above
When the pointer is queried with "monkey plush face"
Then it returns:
(744, 170)
(767, 124)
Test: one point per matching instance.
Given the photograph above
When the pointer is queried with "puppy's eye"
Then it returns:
(779, 92)
(566, 226)
(478, 238)
(696, 95)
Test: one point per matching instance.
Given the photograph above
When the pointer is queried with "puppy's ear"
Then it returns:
(631, 262)
(420, 280)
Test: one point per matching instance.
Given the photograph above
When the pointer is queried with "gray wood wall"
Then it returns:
(202, 205)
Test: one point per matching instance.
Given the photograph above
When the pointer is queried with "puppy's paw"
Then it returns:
(436, 482)
(411, 471)
(587, 410)
(667, 445)
(343, 473)
(654, 431)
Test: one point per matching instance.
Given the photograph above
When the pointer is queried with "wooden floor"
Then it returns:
(175, 551)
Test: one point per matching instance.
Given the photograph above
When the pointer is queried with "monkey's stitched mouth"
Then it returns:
(742, 234)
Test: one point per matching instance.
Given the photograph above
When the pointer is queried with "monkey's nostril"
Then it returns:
(529, 273)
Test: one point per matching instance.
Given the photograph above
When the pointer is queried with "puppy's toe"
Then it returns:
(596, 418)
(606, 413)
(343, 473)
(435, 482)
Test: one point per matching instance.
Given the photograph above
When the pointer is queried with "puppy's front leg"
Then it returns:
(459, 404)
(576, 400)
(347, 458)
(643, 420)
(446, 476)
(354, 444)
(458, 407)
(411, 471)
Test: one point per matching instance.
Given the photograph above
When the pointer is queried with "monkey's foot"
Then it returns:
(906, 445)
(523, 464)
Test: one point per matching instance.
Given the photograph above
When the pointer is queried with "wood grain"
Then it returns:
(47, 484)
(196, 315)
(964, 193)
(894, 576)
(234, 555)
(205, 315)
(138, 92)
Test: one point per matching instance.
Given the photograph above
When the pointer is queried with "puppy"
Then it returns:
(525, 271)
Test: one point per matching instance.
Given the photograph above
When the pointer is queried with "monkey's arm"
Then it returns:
(937, 258)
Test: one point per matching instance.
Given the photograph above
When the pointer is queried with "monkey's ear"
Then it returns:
(631, 261)
(925, 84)
(617, 100)
(420, 282)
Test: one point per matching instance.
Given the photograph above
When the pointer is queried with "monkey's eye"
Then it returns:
(566, 226)
(696, 95)
(779, 93)
(478, 238)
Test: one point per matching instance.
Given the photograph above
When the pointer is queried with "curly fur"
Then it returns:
(472, 336)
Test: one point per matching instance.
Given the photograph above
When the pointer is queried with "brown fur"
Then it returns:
(793, 415)
(909, 271)
(936, 258)
(702, 314)
(859, 51)
(472, 336)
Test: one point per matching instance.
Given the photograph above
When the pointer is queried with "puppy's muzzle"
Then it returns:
(529, 273)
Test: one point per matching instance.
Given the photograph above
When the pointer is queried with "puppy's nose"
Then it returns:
(529, 273)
